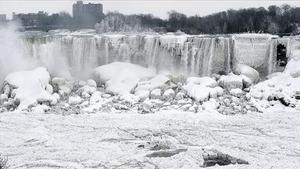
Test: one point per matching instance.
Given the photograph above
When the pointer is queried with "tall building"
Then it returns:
(87, 15)
(2, 18)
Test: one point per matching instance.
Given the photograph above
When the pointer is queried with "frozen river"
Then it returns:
(111, 140)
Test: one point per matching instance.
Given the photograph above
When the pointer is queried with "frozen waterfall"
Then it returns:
(66, 54)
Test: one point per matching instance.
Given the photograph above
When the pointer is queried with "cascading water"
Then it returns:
(78, 54)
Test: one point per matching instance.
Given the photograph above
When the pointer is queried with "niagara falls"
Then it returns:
(92, 84)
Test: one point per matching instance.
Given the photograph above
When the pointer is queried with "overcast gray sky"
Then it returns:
(156, 7)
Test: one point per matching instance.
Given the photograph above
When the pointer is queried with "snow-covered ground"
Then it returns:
(112, 140)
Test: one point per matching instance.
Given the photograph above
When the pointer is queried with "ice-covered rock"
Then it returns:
(231, 81)
(86, 91)
(242, 69)
(121, 78)
(236, 92)
(59, 81)
(29, 85)
(142, 94)
(201, 88)
(149, 105)
(247, 82)
(74, 100)
(210, 105)
(159, 81)
(63, 86)
(168, 94)
(92, 83)
(49, 88)
(197, 92)
(96, 97)
(56, 96)
(156, 94)
(179, 96)
(203, 81)
(46, 98)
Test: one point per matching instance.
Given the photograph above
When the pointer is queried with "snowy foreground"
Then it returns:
(112, 140)
(129, 116)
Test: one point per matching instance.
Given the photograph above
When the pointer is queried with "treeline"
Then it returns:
(274, 19)
(284, 19)
(44, 21)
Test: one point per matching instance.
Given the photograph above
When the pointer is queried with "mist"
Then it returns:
(12, 57)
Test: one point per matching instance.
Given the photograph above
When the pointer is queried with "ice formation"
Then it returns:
(78, 52)
(156, 75)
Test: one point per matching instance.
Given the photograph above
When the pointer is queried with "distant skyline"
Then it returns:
(158, 8)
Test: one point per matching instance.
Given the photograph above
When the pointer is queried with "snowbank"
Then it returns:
(282, 86)
(29, 86)
(121, 78)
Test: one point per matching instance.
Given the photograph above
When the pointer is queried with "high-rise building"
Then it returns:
(87, 15)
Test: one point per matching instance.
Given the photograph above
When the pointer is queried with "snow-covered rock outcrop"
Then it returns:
(29, 87)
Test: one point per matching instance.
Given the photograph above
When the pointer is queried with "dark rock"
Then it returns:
(214, 157)
(165, 153)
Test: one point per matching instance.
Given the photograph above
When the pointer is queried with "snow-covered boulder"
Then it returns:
(86, 91)
(62, 86)
(29, 85)
(197, 92)
(236, 92)
(121, 78)
(155, 94)
(142, 94)
(180, 96)
(242, 69)
(201, 88)
(49, 88)
(96, 97)
(231, 81)
(74, 100)
(92, 83)
(247, 82)
(159, 81)
(210, 105)
(203, 81)
(59, 81)
(168, 94)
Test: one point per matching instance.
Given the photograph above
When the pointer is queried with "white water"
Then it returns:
(11, 54)
(191, 55)
(76, 54)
